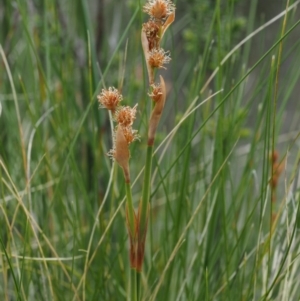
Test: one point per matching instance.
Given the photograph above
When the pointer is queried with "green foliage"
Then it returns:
(203, 28)
(217, 231)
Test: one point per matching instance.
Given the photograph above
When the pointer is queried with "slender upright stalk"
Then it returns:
(130, 213)
(133, 285)
(162, 14)
(143, 216)
(138, 285)
(130, 210)
(146, 190)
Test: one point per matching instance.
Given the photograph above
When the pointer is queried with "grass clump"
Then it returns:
(222, 152)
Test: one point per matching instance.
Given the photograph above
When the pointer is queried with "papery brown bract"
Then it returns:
(159, 10)
(156, 113)
(121, 152)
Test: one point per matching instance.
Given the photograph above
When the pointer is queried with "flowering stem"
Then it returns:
(132, 235)
(146, 191)
(131, 214)
(133, 285)
(138, 285)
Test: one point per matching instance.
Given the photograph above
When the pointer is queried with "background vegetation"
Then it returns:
(218, 229)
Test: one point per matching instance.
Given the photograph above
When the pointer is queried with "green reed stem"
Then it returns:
(131, 225)
(138, 285)
(133, 285)
(146, 190)
(131, 214)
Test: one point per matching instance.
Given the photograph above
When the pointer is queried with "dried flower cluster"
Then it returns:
(159, 10)
(158, 57)
(277, 168)
(156, 93)
(162, 14)
(125, 115)
(110, 99)
(124, 134)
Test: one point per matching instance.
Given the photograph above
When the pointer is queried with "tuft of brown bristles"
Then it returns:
(159, 10)
(152, 31)
(158, 58)
(124, 134)
(156, 93)
(110, 99)
(125, 115)
(162, 15)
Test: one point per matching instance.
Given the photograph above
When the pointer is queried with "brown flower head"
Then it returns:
(158, 57)
(130, 134)
(157, 110)
(123, 136)
(120, 152)
(125, 115)
(156, 93)
(110, 98)
(159, 10)
(152, 32)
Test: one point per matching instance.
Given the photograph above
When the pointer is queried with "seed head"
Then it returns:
(159, 10)
(130, 134)
(157, 110)
(123, 136)
(110, 98)
(125, 115)
(152, 32)
(158, 57)
(156, 93)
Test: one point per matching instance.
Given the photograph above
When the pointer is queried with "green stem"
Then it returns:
(131, 214)
(146, 190)
(138, 285)
(133, 285)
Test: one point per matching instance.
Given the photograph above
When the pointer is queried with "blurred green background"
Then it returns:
(63, 234)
